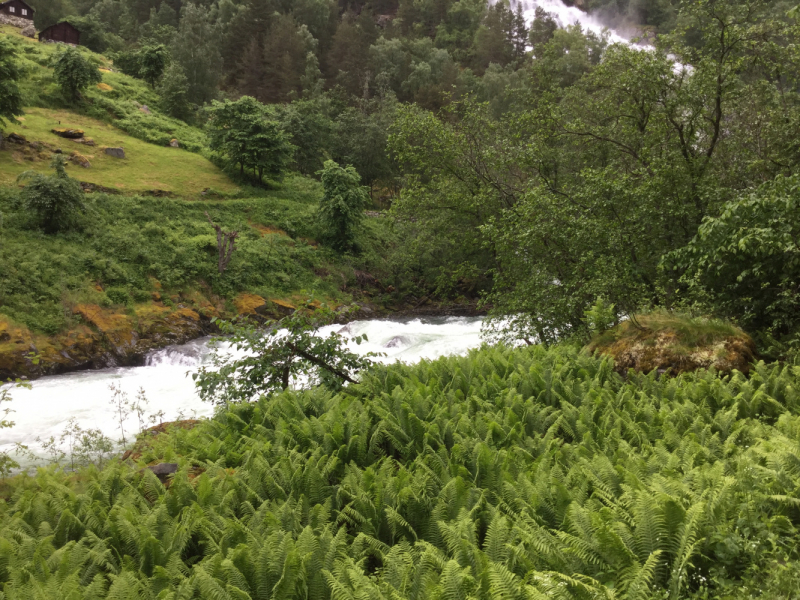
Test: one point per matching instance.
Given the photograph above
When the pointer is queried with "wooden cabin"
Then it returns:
(61, 32)
(17, 8)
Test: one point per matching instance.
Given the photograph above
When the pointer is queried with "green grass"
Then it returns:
(516, 474)
(692, 330)
(128, 242)
(146, 166)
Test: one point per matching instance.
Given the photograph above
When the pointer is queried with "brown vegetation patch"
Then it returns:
(665, 342)
(249, 304)
(268, 229)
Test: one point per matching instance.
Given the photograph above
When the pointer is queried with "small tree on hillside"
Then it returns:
(10, 97)
(54, 201)
(342, 207)
(247, 135)
(174, 92)
(74, 73)
(152, 62)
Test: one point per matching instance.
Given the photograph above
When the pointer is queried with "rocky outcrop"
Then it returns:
(66, 132)
(675, 344)
(105, 337)
(29, 31)
(115, 152)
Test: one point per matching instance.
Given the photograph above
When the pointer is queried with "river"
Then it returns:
(45, 409)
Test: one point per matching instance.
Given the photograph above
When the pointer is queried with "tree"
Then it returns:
(10, 96)
(54, 201)
(74, 73)
(277, 353)
(341, 209)
(195, 49)
(360, 138)
(152, 62)
(174, 91)
(247, 134)
(745, 263)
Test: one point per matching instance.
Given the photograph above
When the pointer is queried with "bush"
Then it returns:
(745, 263)
(56, 201)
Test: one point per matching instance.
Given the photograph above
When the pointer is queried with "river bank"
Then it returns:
(108, 337)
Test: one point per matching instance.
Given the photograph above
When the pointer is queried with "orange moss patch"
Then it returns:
(267, 230)
(116, 327)
(104, 87)
(249, 304)
(676, 344)
(283, 303)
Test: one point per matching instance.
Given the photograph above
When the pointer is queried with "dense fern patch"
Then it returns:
(526, 473)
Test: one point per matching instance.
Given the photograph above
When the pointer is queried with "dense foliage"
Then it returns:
(529, 473)
(746, 262)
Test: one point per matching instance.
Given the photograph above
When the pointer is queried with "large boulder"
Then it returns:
(672, 343)
(80, 160)
(115, 152)
(29, 31)
(68, 132)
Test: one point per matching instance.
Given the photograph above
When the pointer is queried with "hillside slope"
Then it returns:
(146, 167)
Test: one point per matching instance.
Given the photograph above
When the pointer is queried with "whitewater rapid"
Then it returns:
(46, 408)
(570, 15)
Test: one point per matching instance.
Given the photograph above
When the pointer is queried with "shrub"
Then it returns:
(54, 201)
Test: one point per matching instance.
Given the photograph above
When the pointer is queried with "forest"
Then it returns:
(581, 184)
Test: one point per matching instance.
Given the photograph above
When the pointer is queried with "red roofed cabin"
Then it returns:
(62, 32)
(16, 8)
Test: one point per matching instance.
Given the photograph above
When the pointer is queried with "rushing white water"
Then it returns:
(46, 408)
(570, 15)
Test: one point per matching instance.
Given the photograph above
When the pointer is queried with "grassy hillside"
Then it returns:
(139, 271)
(145, 168)
(120, 111)
(524, 474)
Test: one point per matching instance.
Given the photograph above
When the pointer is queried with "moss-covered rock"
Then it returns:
(674, 343)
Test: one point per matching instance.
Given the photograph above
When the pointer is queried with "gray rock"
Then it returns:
(29, 31)
(396, 342)
(116, 152)
(163, 470)
(174, 143)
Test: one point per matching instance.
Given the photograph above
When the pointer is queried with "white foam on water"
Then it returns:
(570, 15)
(46, 408)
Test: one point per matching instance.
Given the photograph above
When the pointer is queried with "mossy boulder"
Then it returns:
(68, 132)
(672, 343)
